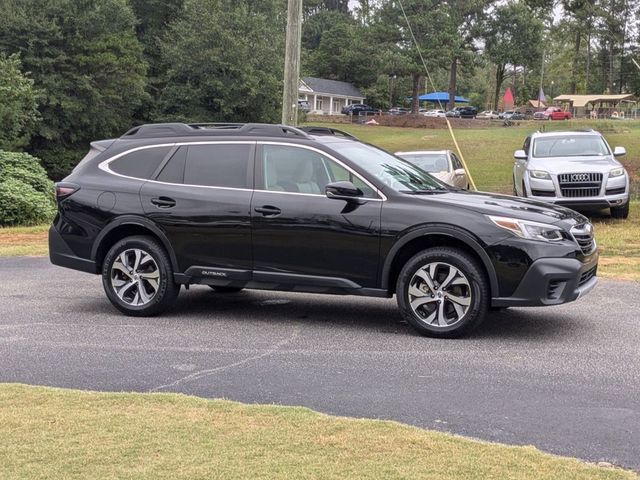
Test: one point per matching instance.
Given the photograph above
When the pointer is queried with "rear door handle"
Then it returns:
(163, 202)
(268, 210)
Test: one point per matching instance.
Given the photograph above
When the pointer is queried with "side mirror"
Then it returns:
(459, 172)
(520, 155)
(619, 151)
(343, 190)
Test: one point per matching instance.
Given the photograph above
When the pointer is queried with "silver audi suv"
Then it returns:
(574, 169)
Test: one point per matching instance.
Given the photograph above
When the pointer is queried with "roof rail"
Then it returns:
(327, 131)
(153, 130)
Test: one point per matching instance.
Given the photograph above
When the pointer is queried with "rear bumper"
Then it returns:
(553, 281)
(60, 254)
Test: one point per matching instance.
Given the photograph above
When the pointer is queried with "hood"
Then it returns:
(506, 206)
(601, 164)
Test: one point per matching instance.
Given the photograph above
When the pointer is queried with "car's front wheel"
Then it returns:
(138, 278)
(443, 292)
(620, 212)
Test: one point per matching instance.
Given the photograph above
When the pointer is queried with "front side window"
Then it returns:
(299, 170)
(217, 165)
(570, 146)
(392, 171)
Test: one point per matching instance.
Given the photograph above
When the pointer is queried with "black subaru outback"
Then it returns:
(238, 206)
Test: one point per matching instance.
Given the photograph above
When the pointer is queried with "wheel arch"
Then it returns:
(127, 226)
(434, 236)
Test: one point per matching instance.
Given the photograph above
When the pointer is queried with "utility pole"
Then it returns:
(292, 63)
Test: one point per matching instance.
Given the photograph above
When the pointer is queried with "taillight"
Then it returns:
(63, 190)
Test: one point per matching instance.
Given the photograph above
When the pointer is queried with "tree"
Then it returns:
(513, 37)
(224, 62)
(18, 104)
(84, 56)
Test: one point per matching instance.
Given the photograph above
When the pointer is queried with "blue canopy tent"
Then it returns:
(440, 97)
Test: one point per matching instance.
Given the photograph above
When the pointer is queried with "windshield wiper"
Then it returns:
(430, 190)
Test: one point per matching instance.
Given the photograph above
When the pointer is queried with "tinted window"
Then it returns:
(569, 146)
(291, 169)
(217, 165)
(141, 163)
(173, 171)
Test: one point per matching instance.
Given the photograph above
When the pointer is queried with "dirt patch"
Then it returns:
(19, 238)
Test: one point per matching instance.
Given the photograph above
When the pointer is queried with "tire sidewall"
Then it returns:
(165, 286)
(467, 265)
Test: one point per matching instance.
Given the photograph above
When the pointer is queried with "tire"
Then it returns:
(620, 212)
(225, 289)
(138, 278)
(515, 190)
(433, 313)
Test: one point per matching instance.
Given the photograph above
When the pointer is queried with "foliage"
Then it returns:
(84, 56)
(224, 61)
(18, 104)
(26, 194)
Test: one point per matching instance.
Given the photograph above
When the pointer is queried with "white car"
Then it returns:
(442, 164)
(490, 114)
(575, 169)
(435, 113)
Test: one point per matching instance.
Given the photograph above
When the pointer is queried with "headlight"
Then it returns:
(529, 230)
(616, 172)
(540, 174)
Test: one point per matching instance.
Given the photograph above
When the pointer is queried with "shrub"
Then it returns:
(26, 194)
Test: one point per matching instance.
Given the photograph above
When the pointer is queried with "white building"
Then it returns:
(328, 96)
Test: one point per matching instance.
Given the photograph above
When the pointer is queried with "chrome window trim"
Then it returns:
(104, 166)
(382, 198)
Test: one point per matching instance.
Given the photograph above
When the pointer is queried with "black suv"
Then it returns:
(274, 207)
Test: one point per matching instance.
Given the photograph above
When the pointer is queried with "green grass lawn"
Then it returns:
(50, 433)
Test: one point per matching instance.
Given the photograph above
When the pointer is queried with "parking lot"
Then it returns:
(564, 379)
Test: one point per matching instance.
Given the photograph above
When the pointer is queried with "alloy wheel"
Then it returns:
(135, 277)
(439, 294)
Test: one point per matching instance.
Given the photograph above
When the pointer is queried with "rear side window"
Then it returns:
(140, 163)
(173, 171)
(219, 165)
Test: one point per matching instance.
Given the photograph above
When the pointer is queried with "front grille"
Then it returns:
(583, 235)
(615, 191)
(588, 275)
(580, 185)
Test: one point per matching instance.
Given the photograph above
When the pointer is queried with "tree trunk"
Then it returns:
(574, 70)
(453, 79)
(499, 79)
(415, 102)
(588, 67)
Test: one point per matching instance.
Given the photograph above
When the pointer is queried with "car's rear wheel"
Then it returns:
(620, 212)
(443, 292)
(138, 278)
(225, 289)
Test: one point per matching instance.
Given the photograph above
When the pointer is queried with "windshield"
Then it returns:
(391, 171)
(570, 146)
(429, 162)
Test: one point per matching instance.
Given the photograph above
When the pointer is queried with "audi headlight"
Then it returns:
(616, 172)
(540, 174)
(529, 230)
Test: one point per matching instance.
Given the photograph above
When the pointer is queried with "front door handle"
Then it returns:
(163, 202)
(268, 210)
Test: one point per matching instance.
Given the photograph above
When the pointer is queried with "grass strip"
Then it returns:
(55, 433)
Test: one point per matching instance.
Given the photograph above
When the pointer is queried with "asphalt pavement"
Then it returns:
(565, 379)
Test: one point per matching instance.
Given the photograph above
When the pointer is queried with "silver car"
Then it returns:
(575, 169)
(442, 164)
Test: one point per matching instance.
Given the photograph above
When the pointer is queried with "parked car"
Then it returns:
(454, 113)
(468, 112)
(442, 164)
(542, 115)
(359, 109)
(517, 116)
(489, 114)
(304, 105)
(556, 113)
(434, 113)
(576, 169)
(399, 111)
(236, 206)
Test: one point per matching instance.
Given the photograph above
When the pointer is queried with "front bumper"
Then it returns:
(553, 281)
(613, 192)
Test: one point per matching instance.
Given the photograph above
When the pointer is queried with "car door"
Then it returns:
(201, 198)
(300, 236)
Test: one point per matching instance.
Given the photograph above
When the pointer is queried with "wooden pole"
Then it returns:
(292, 63)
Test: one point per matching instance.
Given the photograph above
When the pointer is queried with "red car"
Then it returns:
(556, 113)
